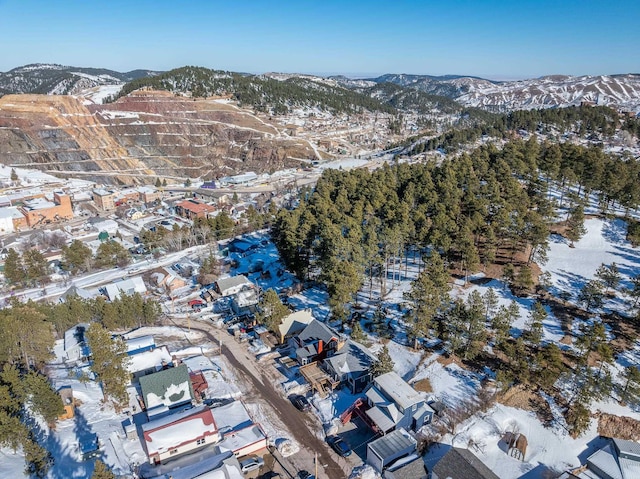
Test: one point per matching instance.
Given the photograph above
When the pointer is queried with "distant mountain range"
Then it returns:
(280, 92)
(544, 92)
(51, 79)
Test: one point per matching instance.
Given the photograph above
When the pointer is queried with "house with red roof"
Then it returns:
(178, 434)
(193, 209)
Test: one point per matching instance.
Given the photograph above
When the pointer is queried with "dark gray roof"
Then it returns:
(317, 331)
(392, 443)
(353, 358)
(412, 470)
(462, 464)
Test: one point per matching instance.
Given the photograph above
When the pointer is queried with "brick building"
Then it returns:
(40, 211)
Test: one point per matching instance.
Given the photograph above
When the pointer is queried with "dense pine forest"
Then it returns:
(259, 92)
(489, 210)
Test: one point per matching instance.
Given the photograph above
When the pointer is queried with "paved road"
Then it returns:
(300, 424)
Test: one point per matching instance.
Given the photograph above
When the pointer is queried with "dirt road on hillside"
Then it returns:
(299, 424)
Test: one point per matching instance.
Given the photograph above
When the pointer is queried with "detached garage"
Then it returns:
(383, 452)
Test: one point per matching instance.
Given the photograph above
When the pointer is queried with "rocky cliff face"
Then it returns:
(144, 134)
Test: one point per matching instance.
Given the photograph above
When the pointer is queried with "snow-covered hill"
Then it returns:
(622, 91)
(52, 79)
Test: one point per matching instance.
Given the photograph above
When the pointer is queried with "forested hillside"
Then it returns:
(490, 206)
(598, 123)
(259, 92)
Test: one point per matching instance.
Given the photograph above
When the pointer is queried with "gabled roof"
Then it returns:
(127, 286)
(295, 322)
(170, 387)
(74, 337)
(352, 359)
(76, 291)
(617, 460)
(232, 283)
(460, 463)
(176, 429)
(397, 390)
(315, 331)
(628, 448)
(152, 359)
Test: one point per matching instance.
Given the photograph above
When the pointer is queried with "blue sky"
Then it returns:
(489, 38)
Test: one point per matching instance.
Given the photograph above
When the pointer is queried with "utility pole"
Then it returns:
(315, 461)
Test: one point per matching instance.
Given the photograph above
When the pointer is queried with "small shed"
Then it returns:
(389, 448)
(89, 447)
(66, 394)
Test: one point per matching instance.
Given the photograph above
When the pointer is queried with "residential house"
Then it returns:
(395, 404)
(76, 291)
(75, 345)
(460, 463)
(177, 434)
(164, 278)
(245, 302)
(193, 209)
(294, 323)
(316, 342)
(170, 388)
(233, 285)
(351, 365)
(149, 362)
(618, 459)
(127, 286)
(139, 344)
(387, 449)
(239, 433)
(211, 464)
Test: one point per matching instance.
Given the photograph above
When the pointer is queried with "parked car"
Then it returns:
(339, 445)
(251, 463)
(305, 475)
(300, 402)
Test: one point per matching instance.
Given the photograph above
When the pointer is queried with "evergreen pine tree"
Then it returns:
(14, 269)
(609, 275)
(575, 224)
(109, 363)
(383, 364)
(271, 311)
(534, 331)
(101, 471)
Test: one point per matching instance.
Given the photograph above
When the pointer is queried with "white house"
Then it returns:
(233, 285)
(127, 286)
(180, 433)
(75, 345)
(240, 434)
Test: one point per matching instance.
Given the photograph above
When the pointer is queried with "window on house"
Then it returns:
(173, 451)
(200, 441)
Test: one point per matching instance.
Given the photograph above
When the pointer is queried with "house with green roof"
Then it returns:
(168, 388)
